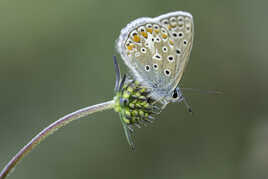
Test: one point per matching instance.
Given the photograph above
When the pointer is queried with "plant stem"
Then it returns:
(52, 128)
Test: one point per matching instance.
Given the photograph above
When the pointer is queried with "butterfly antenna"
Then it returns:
(117, 73)
(203, 91)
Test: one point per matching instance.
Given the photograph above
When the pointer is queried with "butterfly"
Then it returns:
(157, 50)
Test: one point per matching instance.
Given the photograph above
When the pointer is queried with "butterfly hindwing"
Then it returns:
(157, 50)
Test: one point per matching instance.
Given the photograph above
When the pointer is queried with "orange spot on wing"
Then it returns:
(144, 34)
(157, 31)
(136, 38)
(149, 30)
(164, 36)
(130, 47)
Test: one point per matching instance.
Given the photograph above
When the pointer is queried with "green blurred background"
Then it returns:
(56, 57)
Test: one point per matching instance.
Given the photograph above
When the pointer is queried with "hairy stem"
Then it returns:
(52, 128)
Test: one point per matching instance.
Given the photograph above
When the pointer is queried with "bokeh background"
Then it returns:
(56, 57)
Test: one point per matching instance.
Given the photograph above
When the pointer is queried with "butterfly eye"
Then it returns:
(175, 94)
(185, 42)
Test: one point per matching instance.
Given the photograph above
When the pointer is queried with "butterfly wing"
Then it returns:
(181, 29)
(153, 54)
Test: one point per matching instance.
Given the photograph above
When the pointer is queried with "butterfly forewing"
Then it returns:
(180, 28)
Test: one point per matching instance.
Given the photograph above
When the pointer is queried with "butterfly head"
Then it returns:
(174, 96)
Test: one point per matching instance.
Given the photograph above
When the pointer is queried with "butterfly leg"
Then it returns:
(181, 98)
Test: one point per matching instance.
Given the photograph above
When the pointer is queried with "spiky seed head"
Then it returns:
(135, 107)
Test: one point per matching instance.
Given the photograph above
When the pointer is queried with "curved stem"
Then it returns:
(52, 128)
